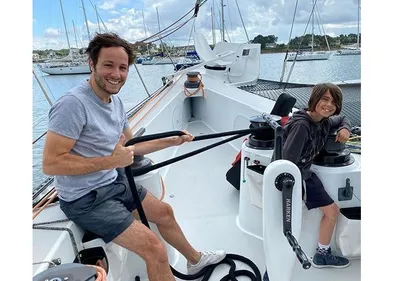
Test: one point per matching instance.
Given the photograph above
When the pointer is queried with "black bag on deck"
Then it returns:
(233, 175)
(282, 107)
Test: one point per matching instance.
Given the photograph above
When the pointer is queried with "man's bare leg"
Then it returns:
(142, 241)
(162, 215)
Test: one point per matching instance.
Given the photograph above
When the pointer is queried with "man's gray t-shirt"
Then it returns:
(96, 126)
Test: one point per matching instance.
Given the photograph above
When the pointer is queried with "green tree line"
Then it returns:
(319, 41)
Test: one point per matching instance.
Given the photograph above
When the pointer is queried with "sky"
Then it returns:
(127, 17)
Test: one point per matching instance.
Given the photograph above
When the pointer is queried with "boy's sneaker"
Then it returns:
(207, 258)
(324, 258)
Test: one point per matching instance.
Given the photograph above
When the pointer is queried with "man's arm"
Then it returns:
(155, 145)
(57, 159)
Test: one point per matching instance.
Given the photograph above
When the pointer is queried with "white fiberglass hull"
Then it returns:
(157, 61)
(63, 70)
(309, 56)
(348, 52)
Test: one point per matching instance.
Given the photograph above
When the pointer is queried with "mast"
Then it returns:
(143, 21)
(358, 25)
(75, 34)
(222, 31)
(65, 27)
(98, 21)
(86, 20)
(213, 25)
(313, 24)
(158, 22)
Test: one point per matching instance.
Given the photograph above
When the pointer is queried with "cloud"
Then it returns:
(260, 17)
(112, 4)
(52, 32)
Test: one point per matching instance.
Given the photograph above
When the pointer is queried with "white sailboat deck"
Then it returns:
(206, 207)
(204, 203)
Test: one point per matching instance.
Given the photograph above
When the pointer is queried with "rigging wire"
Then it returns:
(42, 88)
(243, 24)
(158, 34)
(219, 24)
(190, 36)
(231, 22)
(40, 137)
(165, 44)
(161, 21)
(319, 24)
(98, 16)
(217, 20)
(160, 38)
(288, 44)
(299, 45)
(46, 83)
(39, 121)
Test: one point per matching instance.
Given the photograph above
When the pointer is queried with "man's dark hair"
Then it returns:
(318, 92)
(105, 40)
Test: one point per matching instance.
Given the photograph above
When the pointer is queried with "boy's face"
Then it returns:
(326, 106)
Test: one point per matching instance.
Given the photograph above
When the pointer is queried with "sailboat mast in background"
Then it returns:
(65, 27)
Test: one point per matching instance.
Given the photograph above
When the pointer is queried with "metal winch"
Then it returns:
(263, 139)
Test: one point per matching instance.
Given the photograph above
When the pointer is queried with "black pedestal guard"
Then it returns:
(229, 259)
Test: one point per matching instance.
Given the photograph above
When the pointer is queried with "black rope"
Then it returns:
(229, 259)
(141, 171)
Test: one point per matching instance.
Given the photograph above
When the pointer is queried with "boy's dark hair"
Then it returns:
(105, 40)
(319, 90)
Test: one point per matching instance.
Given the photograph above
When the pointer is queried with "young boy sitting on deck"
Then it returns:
(305, 134)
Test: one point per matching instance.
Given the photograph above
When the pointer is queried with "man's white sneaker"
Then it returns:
(207, 258)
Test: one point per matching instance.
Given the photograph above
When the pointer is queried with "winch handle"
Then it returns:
(301, 256)
(278, 141)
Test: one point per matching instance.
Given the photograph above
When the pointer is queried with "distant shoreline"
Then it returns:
(264, 51)
(273, 50)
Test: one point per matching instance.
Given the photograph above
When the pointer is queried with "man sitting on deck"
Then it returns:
(85, 151)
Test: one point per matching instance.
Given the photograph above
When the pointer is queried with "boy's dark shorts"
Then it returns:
(316, 195)
(105, 211)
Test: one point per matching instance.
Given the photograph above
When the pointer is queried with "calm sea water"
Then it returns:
(337, 68)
